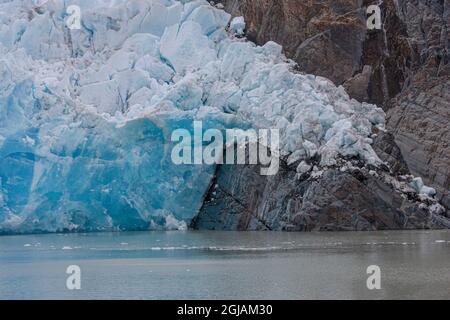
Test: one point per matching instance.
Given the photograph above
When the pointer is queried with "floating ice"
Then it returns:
(86, 115)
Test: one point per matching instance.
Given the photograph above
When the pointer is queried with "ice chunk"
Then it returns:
(155, 68)
(272, 49)
(431, 192)
(421, 188)
(303, 167)
(237, 25)
(417, 184)
(186, 48)
(209, 18)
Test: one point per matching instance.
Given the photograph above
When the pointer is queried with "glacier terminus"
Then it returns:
(86, 115)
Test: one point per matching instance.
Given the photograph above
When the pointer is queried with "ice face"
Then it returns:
(86, 115)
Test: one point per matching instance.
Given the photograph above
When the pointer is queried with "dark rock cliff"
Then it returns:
(404, 67)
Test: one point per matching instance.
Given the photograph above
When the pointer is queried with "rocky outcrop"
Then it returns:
(403, 67)
(349, 197)
(420, 122)
(330, 38)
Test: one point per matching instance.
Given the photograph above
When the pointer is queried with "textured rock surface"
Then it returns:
(330, 38)
(334, 200)
(404, 67)
(420, 122)
(314, 33)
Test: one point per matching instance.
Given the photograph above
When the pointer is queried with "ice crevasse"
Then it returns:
(86, 115)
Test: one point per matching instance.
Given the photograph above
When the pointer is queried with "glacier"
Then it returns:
(86, 115)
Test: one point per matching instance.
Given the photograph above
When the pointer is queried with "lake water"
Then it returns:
(227, 265)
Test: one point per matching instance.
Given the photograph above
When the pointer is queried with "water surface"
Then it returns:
(227, 265)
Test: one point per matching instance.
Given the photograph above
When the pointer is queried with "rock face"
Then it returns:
(316, 34)
(403, 67)
(350, 199)
(420, 122)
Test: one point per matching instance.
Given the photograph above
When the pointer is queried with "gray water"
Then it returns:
(227, 265)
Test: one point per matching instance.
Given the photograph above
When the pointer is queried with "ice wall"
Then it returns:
(86, 115)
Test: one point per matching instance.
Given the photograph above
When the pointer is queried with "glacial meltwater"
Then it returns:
(226, 265)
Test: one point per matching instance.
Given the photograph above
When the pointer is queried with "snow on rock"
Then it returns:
(437, 209)
(86, 115)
